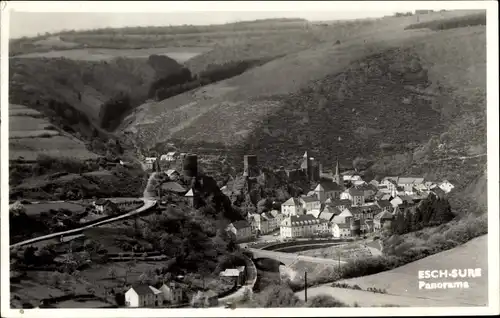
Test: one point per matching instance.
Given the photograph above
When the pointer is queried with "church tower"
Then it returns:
(337, 177)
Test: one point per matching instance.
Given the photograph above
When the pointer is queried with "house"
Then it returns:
(375, 183)
(272, 222)
(361, 213)
(149, 162)
(173, 174)
(343, 218)
(302, 226)
(384, 205)
(172, 293)
(170, 156)
(142, 295)
(369, 191)
(446, 186)
(259, 223)
(242, 230)
(292, 206)
(408, 183)
(340, 204)
(351, 177)
(315, 213)
(328, 190)
(396, 201)
(340, 230)
(391, 183)
(237, 273)
(279, 217)
(429, 185)
(190, 197)
(105, 206)
(380, 219)
(357, 183)
(367, 226)
(357, 197)
(438, 192)
(204, 299)
(329, 212)
(310, 204)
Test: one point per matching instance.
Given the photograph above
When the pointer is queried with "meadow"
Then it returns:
(31, 134)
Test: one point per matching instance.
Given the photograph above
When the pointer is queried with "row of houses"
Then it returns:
(363, 208)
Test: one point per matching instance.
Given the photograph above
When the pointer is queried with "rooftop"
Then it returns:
(142, 289)
(241, 224)
(292, 201)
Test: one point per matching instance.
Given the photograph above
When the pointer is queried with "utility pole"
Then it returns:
(305, 286)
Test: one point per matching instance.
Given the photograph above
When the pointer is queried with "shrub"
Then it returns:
(276, 296)
(325, 301)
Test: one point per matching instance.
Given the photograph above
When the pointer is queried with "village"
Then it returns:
(339, 205)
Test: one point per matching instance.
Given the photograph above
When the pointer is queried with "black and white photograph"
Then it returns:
(227, 158)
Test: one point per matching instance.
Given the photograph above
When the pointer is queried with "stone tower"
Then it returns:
(310, 166)
(190, 166)
(250, 166)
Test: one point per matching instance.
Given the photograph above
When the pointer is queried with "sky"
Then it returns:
(31, 23)
(45, 18)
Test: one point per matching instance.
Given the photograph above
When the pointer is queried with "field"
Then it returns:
(401, 283)
(346, 252)
(181, 55)
(30, 134)
(35, 209)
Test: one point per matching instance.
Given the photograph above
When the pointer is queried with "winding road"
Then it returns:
(149, 202)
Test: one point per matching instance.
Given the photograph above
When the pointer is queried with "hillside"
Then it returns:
(344, 88)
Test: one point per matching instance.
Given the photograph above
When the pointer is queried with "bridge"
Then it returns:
(288, 259)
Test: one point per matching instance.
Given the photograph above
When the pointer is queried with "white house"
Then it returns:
(340, 230)
(397, 201)
(302, 226)
(351, 177)
(343, 218)
(310, 204)
(328, 190)
(169, 156)
(446, 186)
(142, 295)
(291, 206)
(241, 230)
(172, 293)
